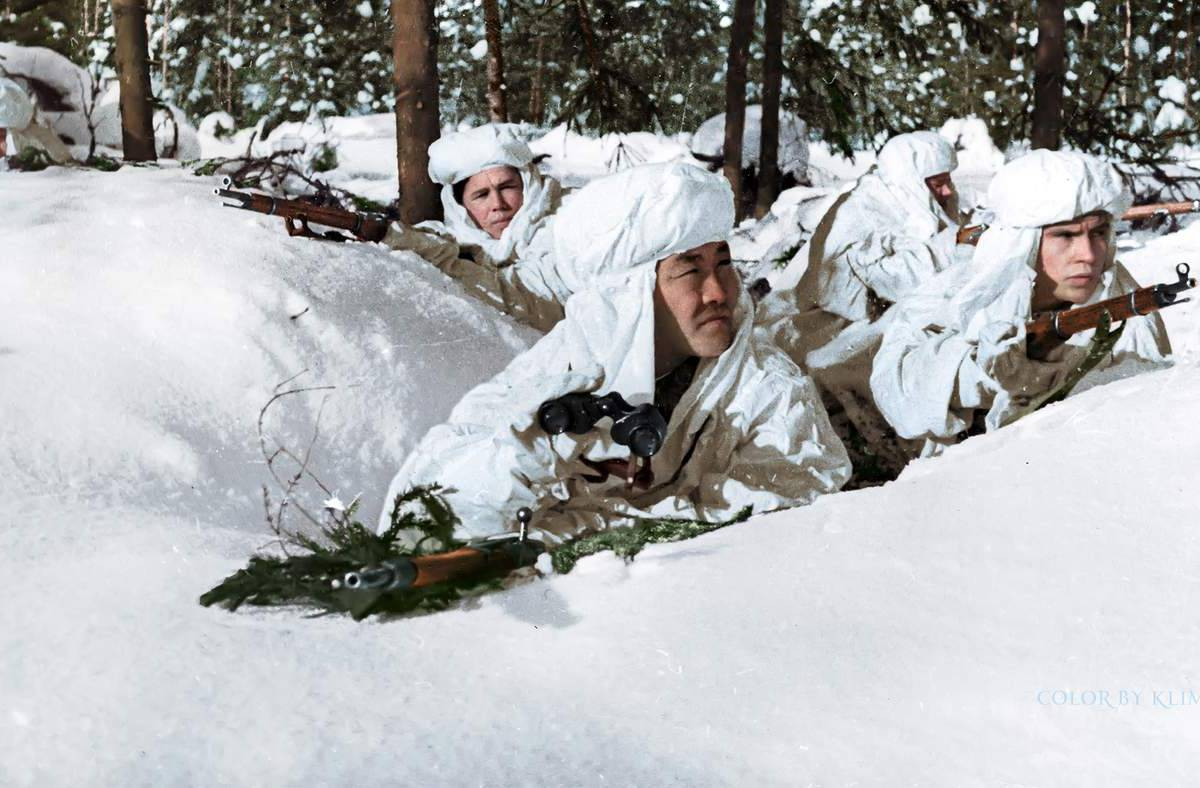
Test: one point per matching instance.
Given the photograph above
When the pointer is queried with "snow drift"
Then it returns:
(146, 326)
(955, 627)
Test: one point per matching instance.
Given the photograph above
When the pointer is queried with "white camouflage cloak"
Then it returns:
(937, 363)
(749, 431)
(876, 243)
(515, 272)
(18, 117)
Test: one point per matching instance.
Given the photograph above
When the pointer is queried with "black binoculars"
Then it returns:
(643, 428)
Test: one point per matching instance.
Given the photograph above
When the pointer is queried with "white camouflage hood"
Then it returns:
(1041, 188)
(456, 157)
(903, 164)
(607, 243)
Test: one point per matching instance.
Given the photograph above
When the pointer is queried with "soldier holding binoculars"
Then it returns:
(658, 337)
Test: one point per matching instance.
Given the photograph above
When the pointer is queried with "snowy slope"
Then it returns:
(925, 632)
(145, 326)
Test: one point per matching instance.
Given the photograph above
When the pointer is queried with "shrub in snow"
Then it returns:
(709, 141)
(174, 135)
(973, 144)
(218, 125)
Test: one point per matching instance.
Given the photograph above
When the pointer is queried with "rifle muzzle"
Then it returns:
(1166, 295)
(390, 575)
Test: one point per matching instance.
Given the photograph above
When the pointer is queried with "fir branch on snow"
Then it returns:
(312, 570)
(628, 541)
(314, 578)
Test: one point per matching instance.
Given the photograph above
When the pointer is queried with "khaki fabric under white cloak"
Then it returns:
(877, 242)
(514, 273)
(955, 347)
(749, 431)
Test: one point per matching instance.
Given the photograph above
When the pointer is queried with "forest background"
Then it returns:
(1111, 77)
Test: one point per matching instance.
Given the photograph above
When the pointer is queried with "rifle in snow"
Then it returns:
(1047, 332)
(491, 556)
(970, 234)
(297, 214)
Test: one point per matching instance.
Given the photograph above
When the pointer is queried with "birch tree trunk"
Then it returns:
(414, 57)
(133, 72)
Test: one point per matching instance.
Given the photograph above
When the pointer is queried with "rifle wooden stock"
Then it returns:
(1045, 333)
(365, 226)
(461, 563)
(482, 558)
(970, 234)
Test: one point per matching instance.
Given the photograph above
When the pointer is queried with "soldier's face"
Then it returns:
(941, 187)
(1071, 259)
(694, 295)
(492, 198)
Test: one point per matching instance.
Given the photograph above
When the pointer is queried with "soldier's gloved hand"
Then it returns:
(1001, 353)
(1002, 356)
(402, 236)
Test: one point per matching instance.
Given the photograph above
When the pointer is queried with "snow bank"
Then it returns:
(764, 248)
(709, 140)
(174, 135)
(146, 326)
(956, 627)
(973, 144)
(574, 159)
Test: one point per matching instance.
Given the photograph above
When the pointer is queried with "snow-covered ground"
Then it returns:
(956, 627)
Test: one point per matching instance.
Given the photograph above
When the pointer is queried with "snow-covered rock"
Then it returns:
(709, 140)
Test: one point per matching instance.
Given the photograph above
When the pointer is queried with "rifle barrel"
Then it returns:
(1050, 330)
(367, 226)
(970, 234)
(1161, 209)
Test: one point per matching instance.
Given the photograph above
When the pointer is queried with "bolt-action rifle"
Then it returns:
(296, 215)
(1048, 331)
(970, 234)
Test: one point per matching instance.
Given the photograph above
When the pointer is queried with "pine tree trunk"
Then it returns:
(165, 32)
(1049, 75)
(768, 161)
(497, 99)
(133, 71)
(735, 96)
(414, 56)
(537, 104)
